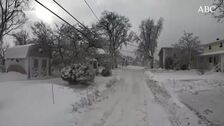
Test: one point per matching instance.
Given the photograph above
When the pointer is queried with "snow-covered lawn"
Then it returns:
(185, 94)
(135, 67)
(30, 102)
(12, 76)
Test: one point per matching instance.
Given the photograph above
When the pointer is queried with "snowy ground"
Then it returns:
(134, 96)
(30, 102)
(188, 97)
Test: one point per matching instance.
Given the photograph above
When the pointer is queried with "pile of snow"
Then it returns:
(96, 93)
(12, 76)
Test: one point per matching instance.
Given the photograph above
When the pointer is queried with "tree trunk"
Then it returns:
(152, 63)
(152, 60)
(111, 60)
(115, 62)
(62, 57)
(2, 60)
(189, 60)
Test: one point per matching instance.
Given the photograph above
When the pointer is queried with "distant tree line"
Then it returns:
(67, 45)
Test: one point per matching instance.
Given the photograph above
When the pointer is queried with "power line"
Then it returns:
(91, 10)
(99, 8)
(71, 15)
(60, 18)
(57, 15)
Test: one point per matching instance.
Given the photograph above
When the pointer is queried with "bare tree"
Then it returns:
(43, 35)
(219, 10)
(21, 37)
(72, 46)
(189, 47)
(149, 34)
(11, 18)
(115, 29)
(67, 41)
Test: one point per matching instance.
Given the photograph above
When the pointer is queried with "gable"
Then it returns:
(24, 51)
(17, 51)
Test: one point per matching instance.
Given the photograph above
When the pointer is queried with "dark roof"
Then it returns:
(166, 48)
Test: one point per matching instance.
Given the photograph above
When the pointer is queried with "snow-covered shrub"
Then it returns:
(77, 73)
(111, 83)
(106, 72)
(16, 68)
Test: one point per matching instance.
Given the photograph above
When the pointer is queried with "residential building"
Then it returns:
(213, 56)
(166, 57)
(28, 59)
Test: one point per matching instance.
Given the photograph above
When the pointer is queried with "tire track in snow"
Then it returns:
(131, 105)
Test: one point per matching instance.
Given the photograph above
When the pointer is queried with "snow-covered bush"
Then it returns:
(106, 72)
(16, 68)
(77, 73)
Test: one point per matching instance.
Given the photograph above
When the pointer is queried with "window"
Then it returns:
(210, 47)
(95, 65)
(175, 55)
(44, 63)
(220, 44)
(210, 59)
(35, 63)
(17, 60)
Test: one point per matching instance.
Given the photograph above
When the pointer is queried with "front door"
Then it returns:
(217, 59)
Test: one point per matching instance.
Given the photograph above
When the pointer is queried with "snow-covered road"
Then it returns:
(132, 104)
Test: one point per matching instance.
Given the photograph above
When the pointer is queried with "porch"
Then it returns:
(213, 61)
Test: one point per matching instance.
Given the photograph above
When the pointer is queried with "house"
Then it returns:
(28, 59)
(213, 56)
(166, 57)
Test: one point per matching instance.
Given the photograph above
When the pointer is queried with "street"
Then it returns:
(131, 105)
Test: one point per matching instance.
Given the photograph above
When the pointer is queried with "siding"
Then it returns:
(215, 47)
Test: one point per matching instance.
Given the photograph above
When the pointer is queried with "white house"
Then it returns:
(28, 59)
(212, 57)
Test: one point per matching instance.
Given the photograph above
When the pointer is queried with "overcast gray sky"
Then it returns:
(179, 15)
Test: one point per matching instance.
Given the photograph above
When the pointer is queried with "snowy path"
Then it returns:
(131, 105)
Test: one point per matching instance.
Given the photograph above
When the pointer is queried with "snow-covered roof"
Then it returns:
(18, 51)
(90, 59)
(212, 53)
(217, 41)
(101, 51)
